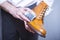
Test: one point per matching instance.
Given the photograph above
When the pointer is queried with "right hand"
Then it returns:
(18, 13)
(28, 28)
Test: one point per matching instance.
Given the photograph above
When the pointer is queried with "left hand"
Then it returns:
(27, 27)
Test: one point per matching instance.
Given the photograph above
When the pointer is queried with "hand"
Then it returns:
(28, 13)
(19, 13)
(15, 12)
(23, 10)
(27, 27)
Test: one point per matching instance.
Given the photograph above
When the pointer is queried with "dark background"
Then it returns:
(0, 27)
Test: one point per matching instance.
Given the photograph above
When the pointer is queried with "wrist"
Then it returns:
(8, 7)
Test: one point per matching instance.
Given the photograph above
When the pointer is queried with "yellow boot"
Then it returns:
(37, 23)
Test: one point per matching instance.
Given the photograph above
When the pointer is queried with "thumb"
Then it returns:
(28, 27)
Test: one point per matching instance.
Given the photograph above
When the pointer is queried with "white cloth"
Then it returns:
(22, 3)
(1, 1)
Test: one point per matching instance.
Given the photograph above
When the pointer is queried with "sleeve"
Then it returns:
(1, 1)
(14, 2)
(21, 3)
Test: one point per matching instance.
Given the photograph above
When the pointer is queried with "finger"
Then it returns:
(20, 13)
(22, 10)
(19, 17)
(28, 28)
(24, 17)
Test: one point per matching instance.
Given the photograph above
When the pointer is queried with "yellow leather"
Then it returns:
(37, 23)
